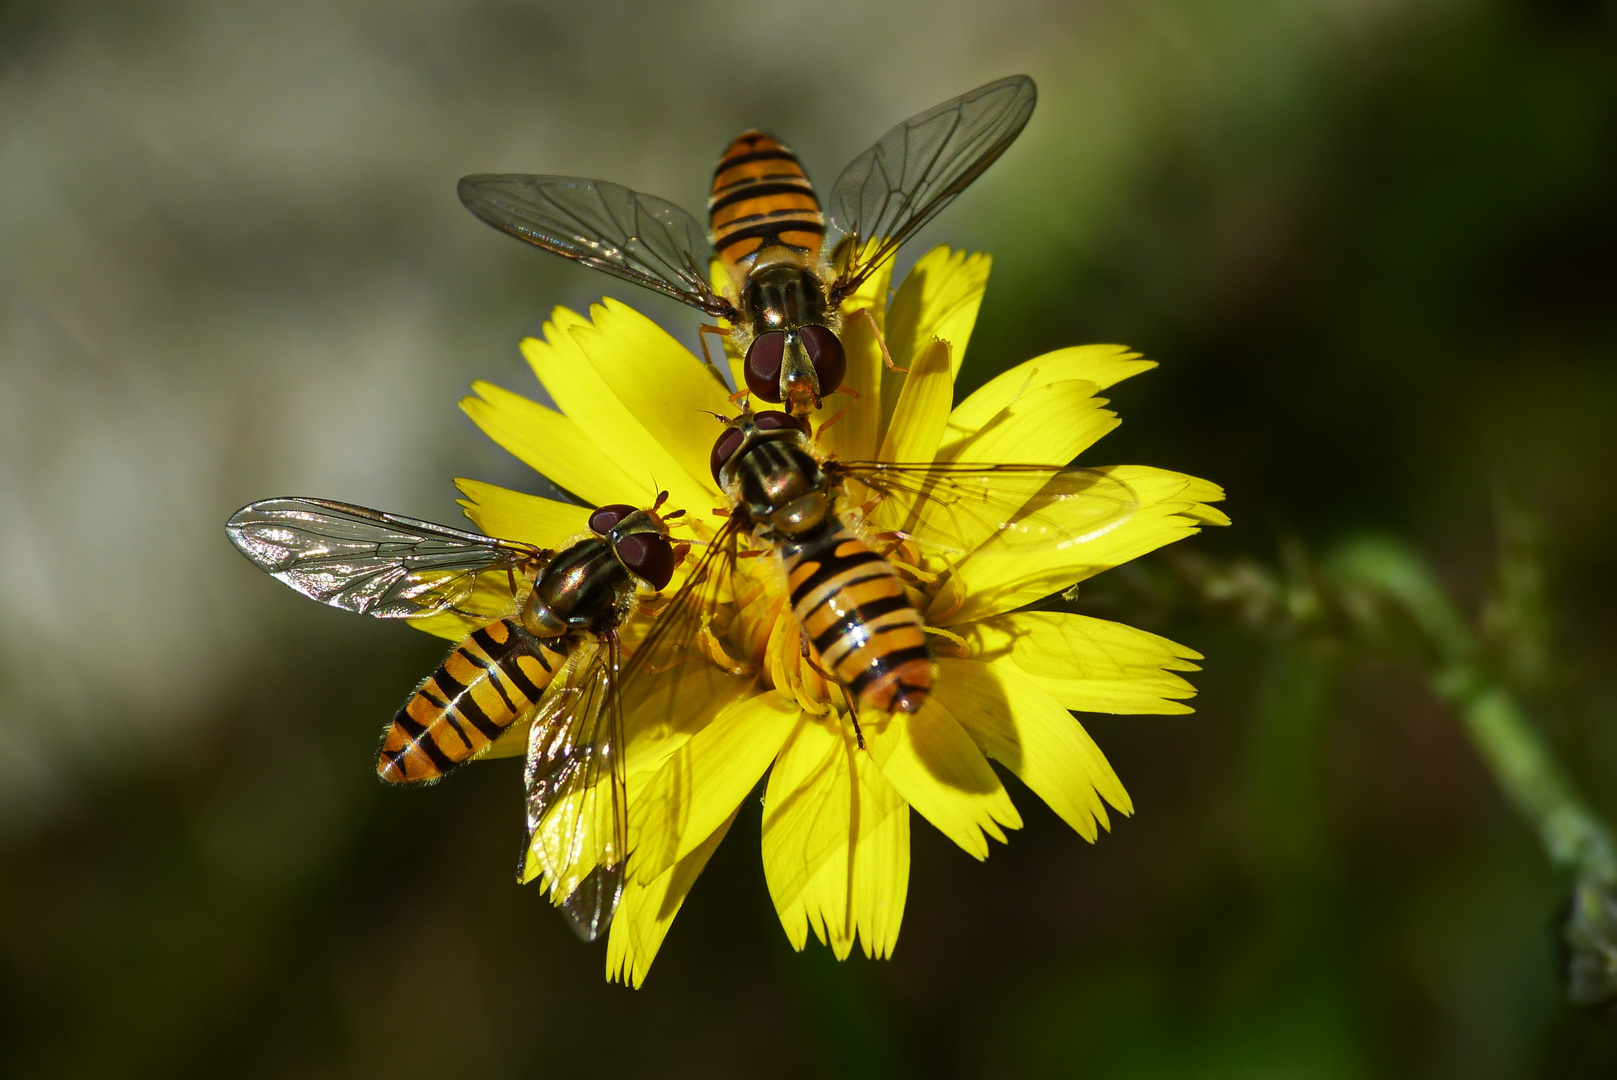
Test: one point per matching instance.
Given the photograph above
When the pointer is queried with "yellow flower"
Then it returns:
(630, 422)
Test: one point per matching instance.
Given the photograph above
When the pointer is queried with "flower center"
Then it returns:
(768, 635)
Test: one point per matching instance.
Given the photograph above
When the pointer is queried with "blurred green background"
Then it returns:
(1371, 242)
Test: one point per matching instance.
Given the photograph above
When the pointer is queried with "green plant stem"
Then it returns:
(1372, 574)
(1510, 744)
(1379, 595)
(1531, 778)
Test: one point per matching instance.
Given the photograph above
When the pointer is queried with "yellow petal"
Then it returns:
(836, 842)
(612, 430)
(672, 394)
(1019, 725)
(923, 408)
(512, 515)
(579, 826)
(514, 743)
(872, 292)
(719, 278)
(677, 695)
(701, 784)
(855, 434)
(1102, 365)
(656, 722)
(647, 909)
(1088, 665)
(931, 761)
(1049, 425)
(490, 599)
(552, 444)
(1008, 514)
(1171, 507)
(939, 298)
(449, 626)
(783, 661)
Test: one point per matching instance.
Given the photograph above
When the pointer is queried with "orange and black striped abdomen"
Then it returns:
(762, 198)
(493, 677)
(853, 609)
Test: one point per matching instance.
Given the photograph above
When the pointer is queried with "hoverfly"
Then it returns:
(767, 230)
(547, 650)
(824, 520)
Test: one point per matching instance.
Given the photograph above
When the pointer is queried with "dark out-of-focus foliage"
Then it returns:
(1371, 242)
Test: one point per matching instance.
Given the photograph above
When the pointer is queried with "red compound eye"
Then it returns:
(648, 556)
(607, 517)
(830, 362)
(724, 449)
(763, 364)
(775, 421)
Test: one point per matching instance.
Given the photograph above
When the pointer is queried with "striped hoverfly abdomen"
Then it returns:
(763, 206)
(489, 681)
(854, 611)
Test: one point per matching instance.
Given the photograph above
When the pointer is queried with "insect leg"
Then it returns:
(881, 342)
(853, 715)
(701, 335)
(953, 639)
(818, 670)
(853, 396)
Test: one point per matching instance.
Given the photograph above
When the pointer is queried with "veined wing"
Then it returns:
(682, 668)
(576, 775)
(958, 509)
(364, 560)
(622, 232)
(919, 167)
(690, 663)
(578, 815)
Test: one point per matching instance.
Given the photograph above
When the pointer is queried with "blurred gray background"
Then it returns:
(1370, 240)
(235, 266)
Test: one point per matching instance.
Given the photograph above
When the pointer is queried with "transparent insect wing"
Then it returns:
(965, 510)
(576, 795)
(577, 744)
(616, 230)
(370, 562)
(894, 188)
(681, 672)
(589, 907)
